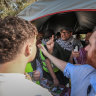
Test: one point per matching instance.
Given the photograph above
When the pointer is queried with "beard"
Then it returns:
(92, 59)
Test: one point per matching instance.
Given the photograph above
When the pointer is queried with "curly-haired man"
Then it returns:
(17, 48)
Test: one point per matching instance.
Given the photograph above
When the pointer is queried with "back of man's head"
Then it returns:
(14, 32)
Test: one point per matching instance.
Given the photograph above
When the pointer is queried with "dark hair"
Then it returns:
(67, 29)
(58, 34)
(13, 33)
(48, 33)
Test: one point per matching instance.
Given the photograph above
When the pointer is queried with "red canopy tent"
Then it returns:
(53, 14)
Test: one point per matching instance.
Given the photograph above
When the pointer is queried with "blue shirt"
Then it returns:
(81, 77)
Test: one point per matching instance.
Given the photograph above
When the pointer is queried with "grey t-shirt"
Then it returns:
(15, 84)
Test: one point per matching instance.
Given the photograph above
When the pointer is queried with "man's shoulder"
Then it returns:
(82, 68)
(20, 86)
(85, 67)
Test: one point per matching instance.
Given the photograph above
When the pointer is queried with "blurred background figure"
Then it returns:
(81, 55)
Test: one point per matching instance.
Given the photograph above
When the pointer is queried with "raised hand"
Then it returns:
(36, 75)
(75, 54)
(42, 48)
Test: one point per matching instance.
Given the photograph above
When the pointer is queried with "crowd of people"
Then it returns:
(61, 65)
(63, 49)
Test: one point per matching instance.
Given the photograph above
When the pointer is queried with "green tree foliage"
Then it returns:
(13, 7)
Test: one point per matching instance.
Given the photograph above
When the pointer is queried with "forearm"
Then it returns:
(57, 62)
(50, 69)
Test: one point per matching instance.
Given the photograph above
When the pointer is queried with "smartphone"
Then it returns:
(76, 48)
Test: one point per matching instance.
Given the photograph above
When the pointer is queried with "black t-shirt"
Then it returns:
(61, 53)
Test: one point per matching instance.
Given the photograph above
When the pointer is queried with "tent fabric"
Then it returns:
(53, 14)
(45, 7)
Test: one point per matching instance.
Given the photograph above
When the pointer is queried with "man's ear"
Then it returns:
(28, 50)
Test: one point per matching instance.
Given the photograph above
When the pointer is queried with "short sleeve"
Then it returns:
(72, 71)
(69, 70)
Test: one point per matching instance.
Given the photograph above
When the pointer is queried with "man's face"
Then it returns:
(91, 50)
(65, 35)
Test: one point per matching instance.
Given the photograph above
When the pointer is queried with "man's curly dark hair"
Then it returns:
(13, 33)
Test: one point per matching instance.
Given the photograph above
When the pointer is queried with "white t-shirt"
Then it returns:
(15, 84)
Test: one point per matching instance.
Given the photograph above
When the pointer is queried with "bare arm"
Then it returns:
(59, 63)
(55, 80)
